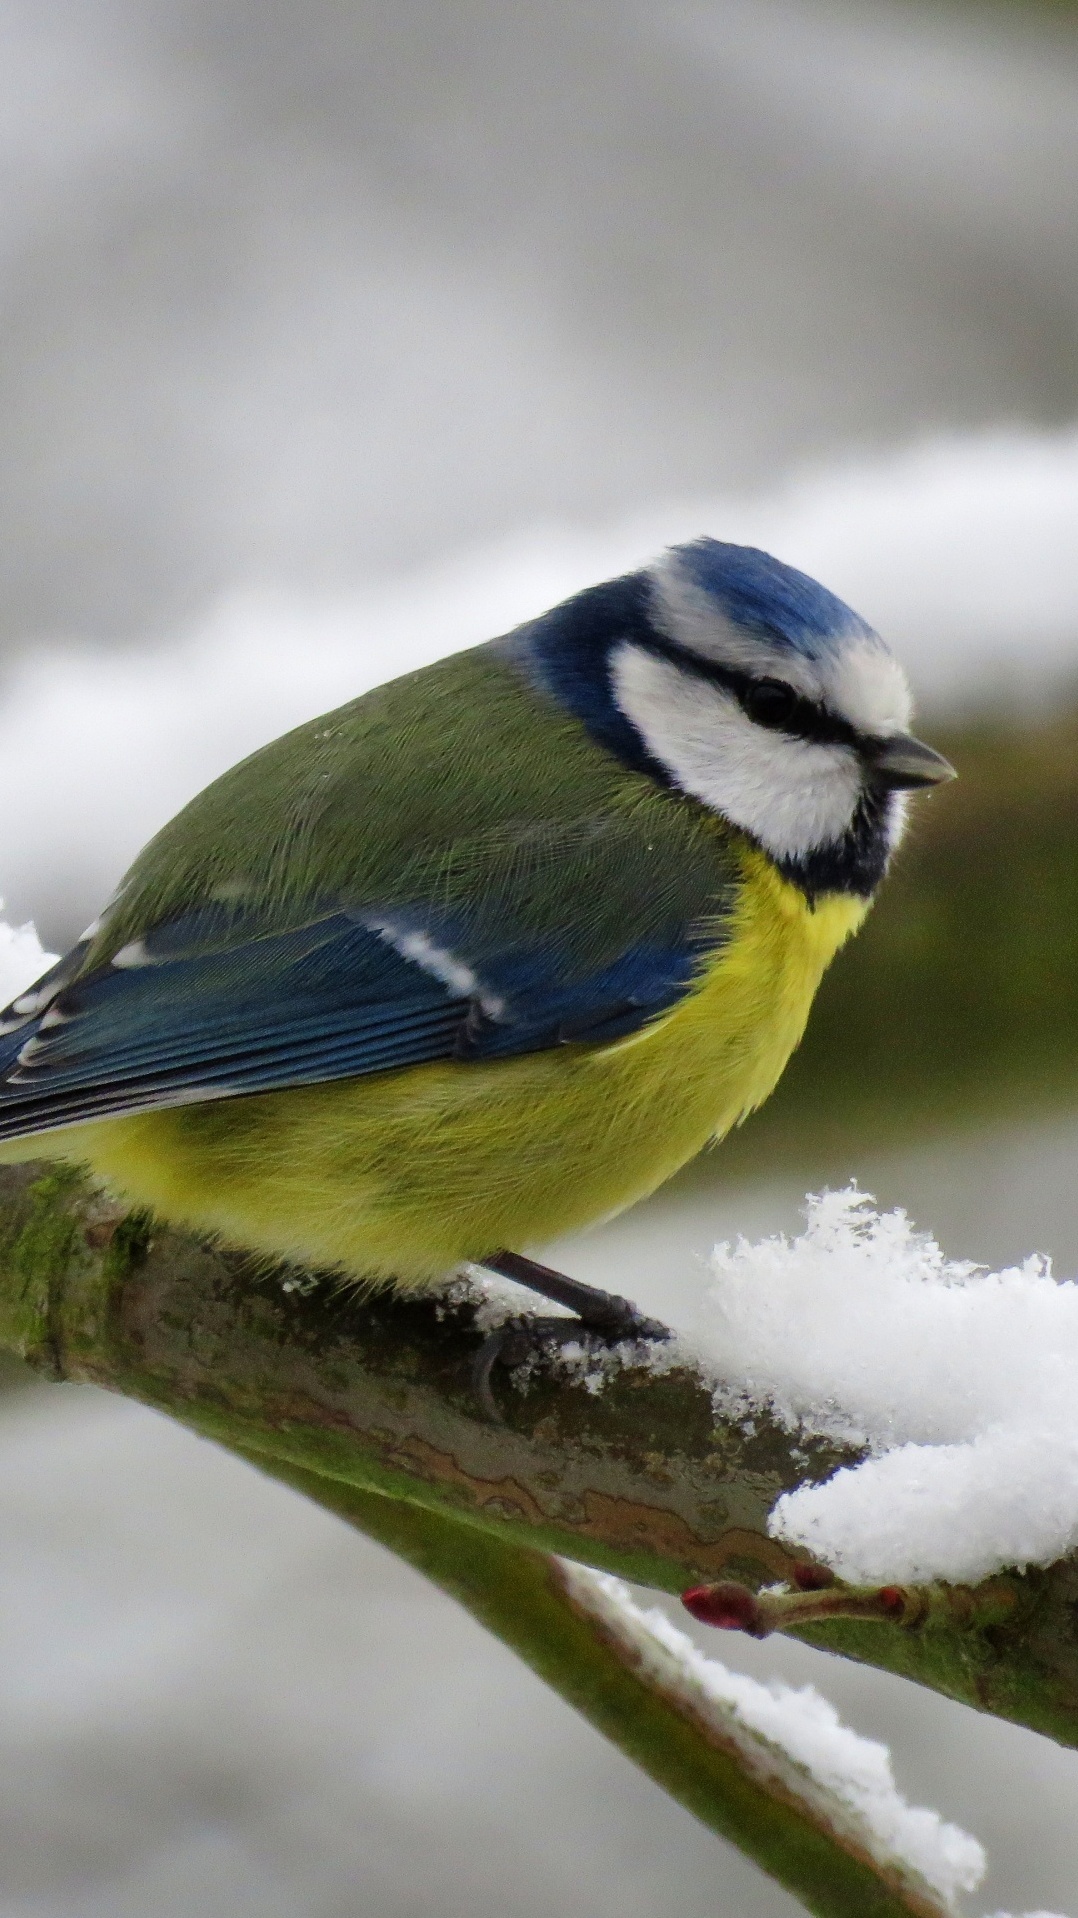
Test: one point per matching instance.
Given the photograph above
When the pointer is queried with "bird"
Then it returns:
(490, 952)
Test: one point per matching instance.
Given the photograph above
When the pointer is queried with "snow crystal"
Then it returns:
(790, 1733)
(959, 1382)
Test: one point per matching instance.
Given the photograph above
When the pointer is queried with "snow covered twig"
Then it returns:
(768, 1768)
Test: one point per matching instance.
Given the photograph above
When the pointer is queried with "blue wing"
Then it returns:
(211, 1006)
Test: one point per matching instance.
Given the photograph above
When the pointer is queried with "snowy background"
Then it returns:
(336, 337)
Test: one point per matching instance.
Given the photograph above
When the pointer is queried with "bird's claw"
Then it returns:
(623, 1320)
(517, 1339)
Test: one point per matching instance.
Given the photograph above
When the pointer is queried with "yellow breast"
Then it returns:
(727, 1042)
(403, 1175)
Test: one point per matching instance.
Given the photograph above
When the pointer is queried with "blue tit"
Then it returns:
(490, 952)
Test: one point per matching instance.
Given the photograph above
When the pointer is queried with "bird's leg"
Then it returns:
(600, 1311)
(602, 1314)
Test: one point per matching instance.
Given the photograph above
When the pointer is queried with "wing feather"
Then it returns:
(521, 891)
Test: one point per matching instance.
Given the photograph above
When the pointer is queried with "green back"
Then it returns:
(460, 782)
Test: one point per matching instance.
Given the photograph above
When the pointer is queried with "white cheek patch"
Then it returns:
(794, 796)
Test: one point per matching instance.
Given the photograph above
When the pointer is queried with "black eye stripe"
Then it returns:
(804, 719)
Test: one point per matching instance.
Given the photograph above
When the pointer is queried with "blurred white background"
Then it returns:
(335, 335)
(305, 293)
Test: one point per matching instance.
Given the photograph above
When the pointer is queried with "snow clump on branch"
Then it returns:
(959, 1383)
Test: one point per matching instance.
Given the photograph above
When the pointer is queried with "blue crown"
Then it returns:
(764, 596)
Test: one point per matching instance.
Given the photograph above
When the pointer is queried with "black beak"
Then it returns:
(902, 763)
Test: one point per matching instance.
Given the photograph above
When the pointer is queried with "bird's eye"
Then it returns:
(770, 703)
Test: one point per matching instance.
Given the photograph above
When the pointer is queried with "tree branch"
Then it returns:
(790, 1825)
(374, 1396)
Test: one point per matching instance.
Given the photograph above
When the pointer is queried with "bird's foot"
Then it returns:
(600, 1316)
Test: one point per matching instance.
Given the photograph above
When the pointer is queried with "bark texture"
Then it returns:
(375, 1396)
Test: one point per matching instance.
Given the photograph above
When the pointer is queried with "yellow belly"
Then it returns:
(403, 1175)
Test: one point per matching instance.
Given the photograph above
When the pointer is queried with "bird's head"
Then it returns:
(733, 678)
